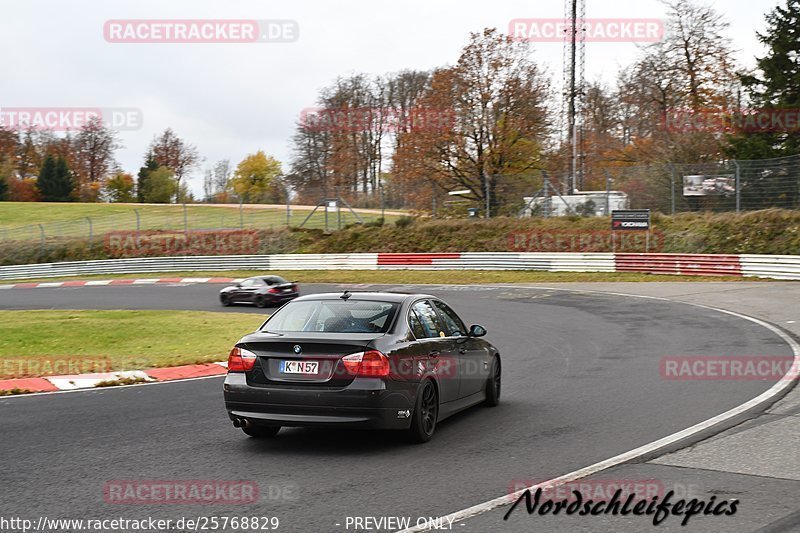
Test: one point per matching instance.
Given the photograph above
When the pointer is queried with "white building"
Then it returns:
(558, 206)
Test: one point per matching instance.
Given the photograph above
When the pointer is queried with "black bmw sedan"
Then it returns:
(363, 359)
(262, 291)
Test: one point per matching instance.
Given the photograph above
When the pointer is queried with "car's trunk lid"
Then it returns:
(318, 363)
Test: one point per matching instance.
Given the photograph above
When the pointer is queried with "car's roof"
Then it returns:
(383, 296)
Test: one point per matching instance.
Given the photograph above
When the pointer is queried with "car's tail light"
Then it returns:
(294, 287)
(274, 291)
(241, 360)
(371, 363)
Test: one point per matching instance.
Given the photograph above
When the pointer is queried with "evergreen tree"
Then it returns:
(55, 180)
(774, 86)
(150, 166)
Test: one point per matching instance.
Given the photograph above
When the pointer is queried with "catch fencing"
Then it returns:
(670, 188)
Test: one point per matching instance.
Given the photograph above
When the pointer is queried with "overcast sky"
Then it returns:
(234, 99)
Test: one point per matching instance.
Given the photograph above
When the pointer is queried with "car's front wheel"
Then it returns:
(225, 299)
(262, 432)
(426, 412)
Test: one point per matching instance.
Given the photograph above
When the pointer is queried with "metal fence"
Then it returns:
(728, 185)
(331, 214)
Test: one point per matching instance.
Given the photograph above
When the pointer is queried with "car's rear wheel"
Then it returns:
(426, 412)
(225, 300)
(260, 301)
(493, 384)
(262, 432)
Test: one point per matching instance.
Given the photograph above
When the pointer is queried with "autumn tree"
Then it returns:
(120, 188)
(30, 154)
(256, 179)
(9, 142)
(345, 144)
(92, 154)
(691, 72)
(311, 151)
(172, 152)
(6, 175)
(8, 151)
(490, 127)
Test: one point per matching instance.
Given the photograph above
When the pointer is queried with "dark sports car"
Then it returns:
(262, 291)
(369, 360)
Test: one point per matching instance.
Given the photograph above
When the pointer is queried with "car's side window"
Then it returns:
(455, 327)
(415, 325)
(249, 283)
(429, 320)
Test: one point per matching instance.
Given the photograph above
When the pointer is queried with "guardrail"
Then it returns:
(785, 267)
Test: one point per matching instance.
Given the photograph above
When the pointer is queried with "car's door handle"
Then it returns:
(435, 353)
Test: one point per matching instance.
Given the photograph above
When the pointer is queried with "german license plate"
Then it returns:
(299, 367)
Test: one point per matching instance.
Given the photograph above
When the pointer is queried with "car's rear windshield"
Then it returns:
(333, 316)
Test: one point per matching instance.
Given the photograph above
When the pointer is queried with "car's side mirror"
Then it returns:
(238, 285)
(477, 331)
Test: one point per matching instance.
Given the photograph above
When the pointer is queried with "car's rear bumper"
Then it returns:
(365, 403)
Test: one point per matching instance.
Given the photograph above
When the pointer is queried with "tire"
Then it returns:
(262, 432)
(493, 384)
(260, 301)
(225, 300)
(426, 412)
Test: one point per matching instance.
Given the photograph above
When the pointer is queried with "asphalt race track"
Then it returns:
(581, 383)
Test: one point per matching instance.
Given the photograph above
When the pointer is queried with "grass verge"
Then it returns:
(69, 219)
(48, 342)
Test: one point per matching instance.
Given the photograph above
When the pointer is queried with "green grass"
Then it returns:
(33, 342)
(69, 219)
(436, 277)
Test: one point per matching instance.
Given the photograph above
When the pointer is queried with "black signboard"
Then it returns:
(638, 219)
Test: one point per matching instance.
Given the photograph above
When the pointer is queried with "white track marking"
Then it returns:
(90, 381)
(654, 446)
